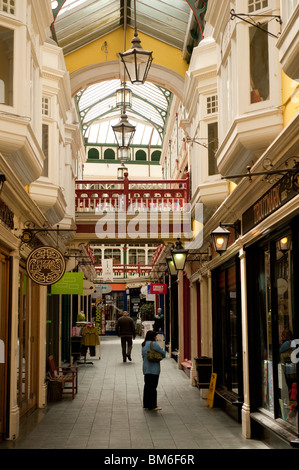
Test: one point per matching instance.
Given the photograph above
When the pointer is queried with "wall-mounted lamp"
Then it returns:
(221, 235)
(171, 267)
(284, 244)
(179, 258)
(179, 255)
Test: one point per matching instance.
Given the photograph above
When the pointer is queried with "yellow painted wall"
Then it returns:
(94, 52)
(290, 98)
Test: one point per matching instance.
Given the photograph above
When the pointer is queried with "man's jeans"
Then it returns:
(126, 346)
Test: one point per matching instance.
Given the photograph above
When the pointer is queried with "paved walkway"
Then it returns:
(107, 412)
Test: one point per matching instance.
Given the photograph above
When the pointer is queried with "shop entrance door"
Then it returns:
(227, 329)
(4, 288)
(28, 344)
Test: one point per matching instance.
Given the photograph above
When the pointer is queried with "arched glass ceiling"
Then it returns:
(78, 22)
(98, 112)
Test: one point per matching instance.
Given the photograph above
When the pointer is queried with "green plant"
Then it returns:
(147, 311)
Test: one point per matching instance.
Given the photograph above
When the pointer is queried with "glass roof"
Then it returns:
(98, 112)
(78, 22)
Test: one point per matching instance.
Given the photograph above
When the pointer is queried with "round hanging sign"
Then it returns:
(45, 265)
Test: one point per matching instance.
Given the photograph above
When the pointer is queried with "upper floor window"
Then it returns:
(212, 104)
(8, 6)
(259, 65)
(6, 67)
(45, 106)
(254, 5)
(45, 147)
(114, 254)
(212, 147)
(290, 6)
(136, 256)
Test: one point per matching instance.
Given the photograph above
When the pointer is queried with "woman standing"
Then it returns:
(151, 371)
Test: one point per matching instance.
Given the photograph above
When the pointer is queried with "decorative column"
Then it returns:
(246, 428)
(193, 323)
(42, 336)
(180, 317)
(14, 411)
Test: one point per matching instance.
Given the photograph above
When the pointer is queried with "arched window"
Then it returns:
(140, 155)
(109, 154)
(156, 155)
(93, 154)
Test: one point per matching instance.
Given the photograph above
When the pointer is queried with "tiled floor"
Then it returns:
(107, 412)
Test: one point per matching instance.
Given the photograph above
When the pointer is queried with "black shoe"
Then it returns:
(129, 357)
(124, 360)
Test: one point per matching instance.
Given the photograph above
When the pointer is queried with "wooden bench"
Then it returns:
(186, 366)
(231, 398)
(66, 375)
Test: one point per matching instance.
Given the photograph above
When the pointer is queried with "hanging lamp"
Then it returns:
(137, 61)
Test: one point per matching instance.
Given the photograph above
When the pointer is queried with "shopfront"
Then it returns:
(272, 272)
(227, 337)
(273, 326)
(4, 299)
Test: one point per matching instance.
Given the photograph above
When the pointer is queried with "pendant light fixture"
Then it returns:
(137, 61)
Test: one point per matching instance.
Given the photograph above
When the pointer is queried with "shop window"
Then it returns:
(212, 147)
(287, 381)
(276, 316)
(93, 154)
(266, 335)
(6, 69)
(140, 155)
(109, 154)
(259, 65)
(254, 5)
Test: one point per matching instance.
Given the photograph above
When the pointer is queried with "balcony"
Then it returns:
(126, 271)
(132, 195)
(133, 209)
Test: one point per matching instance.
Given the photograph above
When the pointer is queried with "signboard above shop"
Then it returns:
(278, 195)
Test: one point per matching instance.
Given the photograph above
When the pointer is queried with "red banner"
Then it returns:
(158, 289)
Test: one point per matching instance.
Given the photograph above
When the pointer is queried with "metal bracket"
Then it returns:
(242, 16)
(292, 171)
(29, 233)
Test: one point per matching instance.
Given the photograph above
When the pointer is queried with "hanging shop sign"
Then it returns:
(158, 289)
(69, 284)
(101, 289)
(45, 265)
(282, 192)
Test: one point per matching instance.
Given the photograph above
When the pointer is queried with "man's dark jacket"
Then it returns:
(125, 326)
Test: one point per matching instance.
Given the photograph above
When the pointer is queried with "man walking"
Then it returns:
(125, 328)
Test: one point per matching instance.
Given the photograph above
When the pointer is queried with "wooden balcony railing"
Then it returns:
(131, 195)
(123, 271)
